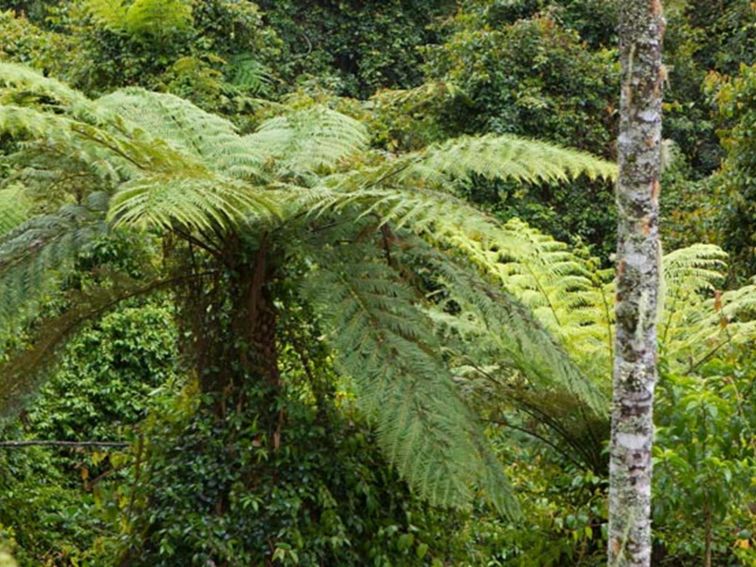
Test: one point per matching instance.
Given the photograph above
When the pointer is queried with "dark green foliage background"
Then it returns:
(543, 69)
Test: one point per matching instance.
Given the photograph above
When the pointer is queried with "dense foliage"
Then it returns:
(337, 303)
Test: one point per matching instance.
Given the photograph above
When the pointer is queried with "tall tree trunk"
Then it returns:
(638, 254)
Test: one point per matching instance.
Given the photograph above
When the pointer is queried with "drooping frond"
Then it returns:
(568, 298)
(383, 341)
(14, 208)
(111, 153)
(509, 331)
(171, 161)
(36, 253)
(313, 140)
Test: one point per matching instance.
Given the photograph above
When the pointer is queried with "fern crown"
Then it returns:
(308, 180)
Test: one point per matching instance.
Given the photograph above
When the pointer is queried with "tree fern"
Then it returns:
(309, 176)
(142, 17)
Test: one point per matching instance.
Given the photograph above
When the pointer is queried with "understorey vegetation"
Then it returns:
(333, 283)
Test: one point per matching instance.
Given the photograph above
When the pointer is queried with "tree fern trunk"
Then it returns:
(231, 323)
(638, 255)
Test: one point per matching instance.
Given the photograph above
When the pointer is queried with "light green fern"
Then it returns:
(354, 218)
(142, 17)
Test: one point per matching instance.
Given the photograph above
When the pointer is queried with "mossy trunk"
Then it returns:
(638, 256)
(230, 321)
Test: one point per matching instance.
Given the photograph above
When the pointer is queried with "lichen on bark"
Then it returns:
(639, 149)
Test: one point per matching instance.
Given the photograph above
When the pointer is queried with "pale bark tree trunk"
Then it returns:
(638, 256)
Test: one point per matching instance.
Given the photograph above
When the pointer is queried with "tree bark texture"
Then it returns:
(638, 255)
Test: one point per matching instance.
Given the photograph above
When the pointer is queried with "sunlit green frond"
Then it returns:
(570, 299)
(693, 269)
(697, 319)
(190, 130)
(511, 331)
(385, 343)
(504, 157)
(193, 202)
(305, 141)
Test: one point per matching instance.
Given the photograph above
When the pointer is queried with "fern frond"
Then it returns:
(20, 370)
(696, 268)
(505, 157)
(192, 202)
(113, 154)
(36, 253)
(511, 332)
(14, 208)
(189, 130)
(697, 320)
(22, 86)
(565, 295)
(307, 141)
(385, 344)
(248, 74)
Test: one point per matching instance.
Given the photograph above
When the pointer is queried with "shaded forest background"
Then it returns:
(417, 72)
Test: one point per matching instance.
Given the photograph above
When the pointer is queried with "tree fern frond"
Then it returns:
(210, 139)
(14, 208)
(505, 157)
(385, 344)
(315, 139)
(696, 268)
(511, 332)
(193, 202)
(695, 326)
(22, 86)
(566, 296)
(116, 155)
(36, 251)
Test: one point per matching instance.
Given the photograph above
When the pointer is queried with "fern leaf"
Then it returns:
(14, 208)
(193, 202)
(505, 157)
(511, 331)
(37, 252)
(189, 130)
(385, 344)
(20, 370)
(308, 141)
